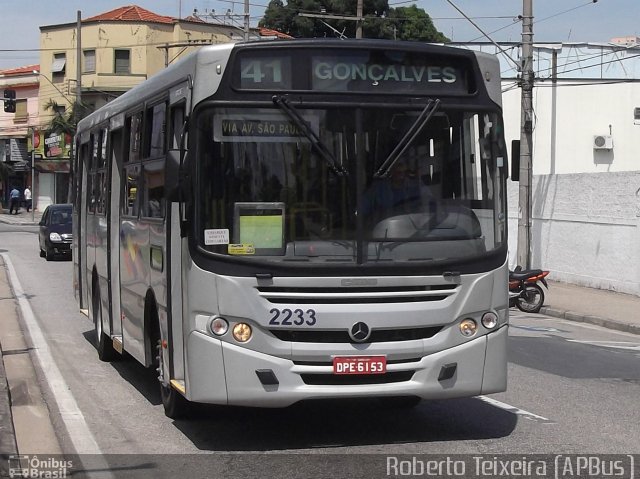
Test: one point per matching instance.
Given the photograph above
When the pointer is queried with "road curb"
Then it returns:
(8, 444)
(590, 319)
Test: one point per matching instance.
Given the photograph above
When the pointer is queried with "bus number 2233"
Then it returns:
(297, 317)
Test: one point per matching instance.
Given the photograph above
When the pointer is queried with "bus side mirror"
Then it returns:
(515, 160)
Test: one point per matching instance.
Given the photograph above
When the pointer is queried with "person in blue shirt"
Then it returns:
(14, 200)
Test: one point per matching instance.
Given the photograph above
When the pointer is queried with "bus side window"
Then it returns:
(153, 200)
(130, 190)
(155, 129)
(92, 181)
(175, 125)
(84, 159)
(134, 126)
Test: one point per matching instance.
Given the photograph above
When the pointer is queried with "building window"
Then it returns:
(21, 115)
(89, 60)
(122, 62)
(58, 66)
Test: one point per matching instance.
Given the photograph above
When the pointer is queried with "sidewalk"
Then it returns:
(22, 218)
(595, 306)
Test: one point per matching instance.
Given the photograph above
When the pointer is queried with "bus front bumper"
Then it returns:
(227, 374)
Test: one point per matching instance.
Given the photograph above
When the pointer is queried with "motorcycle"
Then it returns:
(524, 291)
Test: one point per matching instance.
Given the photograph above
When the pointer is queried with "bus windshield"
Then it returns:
(352, 186)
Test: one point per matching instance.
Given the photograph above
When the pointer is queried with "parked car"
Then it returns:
(55, 231)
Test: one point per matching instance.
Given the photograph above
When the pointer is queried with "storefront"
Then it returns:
(52, 166)
(13, 153)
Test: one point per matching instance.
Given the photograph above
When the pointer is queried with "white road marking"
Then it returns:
(609, 344)
(512, 409)
(77, 428)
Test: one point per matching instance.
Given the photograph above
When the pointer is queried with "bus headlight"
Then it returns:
(468, 327)
(489, 320)
(242, 332)
(219, 326)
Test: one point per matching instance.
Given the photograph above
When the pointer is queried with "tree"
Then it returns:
(414, 24)
(62, 122)
(381, 21)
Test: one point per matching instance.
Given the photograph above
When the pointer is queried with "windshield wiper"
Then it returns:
(315, 140)
(424, 117)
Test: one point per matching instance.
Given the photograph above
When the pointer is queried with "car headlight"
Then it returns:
(55, 237)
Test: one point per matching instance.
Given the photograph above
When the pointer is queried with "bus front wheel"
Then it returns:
(104, 344)
(175, 405)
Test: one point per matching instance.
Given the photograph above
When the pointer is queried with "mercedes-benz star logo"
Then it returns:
(359, 332)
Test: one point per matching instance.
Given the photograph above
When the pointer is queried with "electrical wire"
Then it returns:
(450, 2)
(591, 2)
(515, 20)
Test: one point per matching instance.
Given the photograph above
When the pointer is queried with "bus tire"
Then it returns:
(400, 402)
(175, 405)
(104, 345)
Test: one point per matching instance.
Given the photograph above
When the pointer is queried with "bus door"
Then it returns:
(179, 103)
(116, 151)
(81, 230)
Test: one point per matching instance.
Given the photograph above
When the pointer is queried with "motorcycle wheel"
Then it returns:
(531, 299)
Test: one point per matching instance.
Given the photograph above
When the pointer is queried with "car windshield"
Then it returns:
(362, 186)
(61, 216)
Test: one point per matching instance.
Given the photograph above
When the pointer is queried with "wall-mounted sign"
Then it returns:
(50, 145)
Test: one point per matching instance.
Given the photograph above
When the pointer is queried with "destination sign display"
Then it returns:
(360, 71)
(259, 128)
(354, 74)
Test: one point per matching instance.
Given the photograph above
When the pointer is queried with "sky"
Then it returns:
(554, 20)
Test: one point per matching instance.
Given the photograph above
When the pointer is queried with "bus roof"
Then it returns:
(207, 57)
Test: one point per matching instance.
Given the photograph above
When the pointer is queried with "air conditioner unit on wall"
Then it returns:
(602, 142)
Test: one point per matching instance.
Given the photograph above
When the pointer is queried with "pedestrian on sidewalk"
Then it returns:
(14, 200)
(27, 198)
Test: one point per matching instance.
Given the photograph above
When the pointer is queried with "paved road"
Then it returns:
(573, 388)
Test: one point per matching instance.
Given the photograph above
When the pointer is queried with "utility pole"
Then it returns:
(246, 20)
(526, 137)
(359, 9)
(78, 67)
(358, 18)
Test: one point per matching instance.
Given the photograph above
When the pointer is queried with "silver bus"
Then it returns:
(272, 222)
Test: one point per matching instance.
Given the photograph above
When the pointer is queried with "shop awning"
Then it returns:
(53, 166)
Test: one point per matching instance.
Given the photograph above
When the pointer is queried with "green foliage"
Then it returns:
(414, 24)
(61, 122)
(381, 21)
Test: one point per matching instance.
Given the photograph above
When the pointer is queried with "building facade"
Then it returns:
(15, 128)
(585, 217)
(118, 50)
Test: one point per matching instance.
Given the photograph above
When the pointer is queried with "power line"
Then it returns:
(514, 21)
(600, 55)
(481, 31)
(591, 2)
(603, 63)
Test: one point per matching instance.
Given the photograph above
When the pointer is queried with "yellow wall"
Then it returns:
(142, 39)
